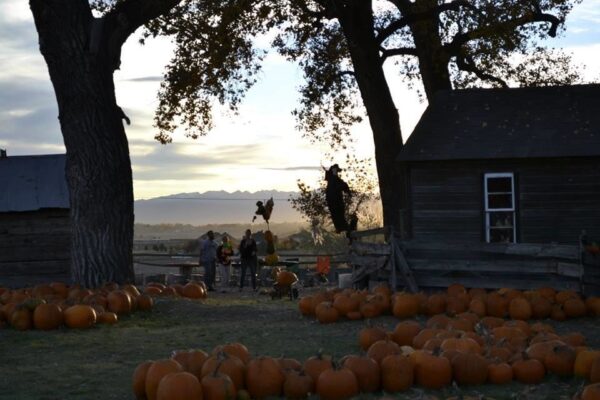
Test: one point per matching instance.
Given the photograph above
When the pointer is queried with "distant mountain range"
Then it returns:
(213, 207)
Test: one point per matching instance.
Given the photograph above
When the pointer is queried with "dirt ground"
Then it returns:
(98, 363)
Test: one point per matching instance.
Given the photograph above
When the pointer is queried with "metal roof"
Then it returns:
(29, 183)
(561, 121)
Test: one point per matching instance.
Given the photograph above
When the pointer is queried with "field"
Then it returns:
(98, 363)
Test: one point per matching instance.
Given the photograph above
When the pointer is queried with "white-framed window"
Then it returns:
(500, 220)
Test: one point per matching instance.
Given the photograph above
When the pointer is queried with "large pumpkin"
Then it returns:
(397, 373)
(80, 316)
(383, 348)
(158, 370)
(234, 349)
(21, 318)
(47, 316)
(315, 365)
(432, 371)
(529, 371)
(337, 384)
(297, 385)
(264, 377)
(469, 369)
(217, 386)
(228, 365)
(139, 380)
(366, 370)
(179, 386)
(405, 332)
(191, 360)
(369, 335)
(119, 302)
(144, 302)
(326, 313)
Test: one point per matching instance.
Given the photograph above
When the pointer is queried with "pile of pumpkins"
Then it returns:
(191, 290)
(470, 350)
(50, 306)
(330, 305)
(230, 372)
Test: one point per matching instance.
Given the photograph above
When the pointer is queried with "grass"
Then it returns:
(98, 363)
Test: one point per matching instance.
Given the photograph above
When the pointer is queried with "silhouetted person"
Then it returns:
(208, 259)
(248, 259)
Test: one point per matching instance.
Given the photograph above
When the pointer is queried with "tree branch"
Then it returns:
(411, 18)
(460, 39)
(126, 17)
(468, 65)
(400, 51)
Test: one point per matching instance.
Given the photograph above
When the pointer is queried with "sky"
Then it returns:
(259, 148)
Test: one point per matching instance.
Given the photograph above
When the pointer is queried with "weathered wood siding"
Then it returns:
(34, 247)
(555, 199)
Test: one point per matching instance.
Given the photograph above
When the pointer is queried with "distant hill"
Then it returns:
(214, 207)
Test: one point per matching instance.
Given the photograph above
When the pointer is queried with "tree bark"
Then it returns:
(98, 166)
(356, 20)
(433, 60)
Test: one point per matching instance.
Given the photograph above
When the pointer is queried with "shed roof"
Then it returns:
(540, 122)
(28, 183)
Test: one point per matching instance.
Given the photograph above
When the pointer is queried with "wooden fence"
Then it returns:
(484, 265)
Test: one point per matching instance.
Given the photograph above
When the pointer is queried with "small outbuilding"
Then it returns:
(505, 166)
(34, 220)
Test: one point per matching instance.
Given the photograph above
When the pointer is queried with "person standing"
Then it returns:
(224, 253)
(248, 259)
(208, 259)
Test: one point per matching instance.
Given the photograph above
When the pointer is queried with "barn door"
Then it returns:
(500, 220)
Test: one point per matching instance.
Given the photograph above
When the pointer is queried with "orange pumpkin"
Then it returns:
(366, 370)
(144, 302)
(228, 365)
(217, 386)
(21, 318)
(47, 316)
(315, 365)
(529, 371)
(406, 306)
(286, 278)
(337, 384)
(591, 392)
(369, 335)
(431, 370)
(80, 316)
(326, 313)
(119, 302)
(264, 377)
(469, 369)
(193, 290)
(397, 373)
(179, 386)
(297, 385)
(520, 309)
(234, 349)
(405, 332)
(158, 370)
(306, 306)
(583, 363)
(108, 318)
(500, 373)
(383, 348)
(139, 380)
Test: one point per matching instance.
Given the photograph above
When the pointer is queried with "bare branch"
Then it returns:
(468, 65)
(400, 51)
(460, 39)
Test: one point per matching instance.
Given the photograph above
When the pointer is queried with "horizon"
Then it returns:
(244, 152)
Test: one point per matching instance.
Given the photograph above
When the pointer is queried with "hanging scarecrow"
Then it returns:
(334, 196)
(264, 209)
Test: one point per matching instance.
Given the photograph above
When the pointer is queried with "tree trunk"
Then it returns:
(433, 60)
(356, 19)
(98, 165)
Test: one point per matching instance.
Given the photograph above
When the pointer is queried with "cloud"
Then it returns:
(299, 168)
(146, 79)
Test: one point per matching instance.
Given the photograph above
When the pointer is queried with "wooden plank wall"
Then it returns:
(556, 199)
(34, 247)
(520, 266)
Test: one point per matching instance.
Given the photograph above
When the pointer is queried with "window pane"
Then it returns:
(499, 201)
(501, 219)
(504, 235)
(499, 185)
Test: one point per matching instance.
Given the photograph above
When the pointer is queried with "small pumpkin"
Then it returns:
(326, 313)
(47, 316)
(297, 385)
(108, 318)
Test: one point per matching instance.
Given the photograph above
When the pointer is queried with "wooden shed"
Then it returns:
(499, 184)
(505, 166)
(34, 220)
